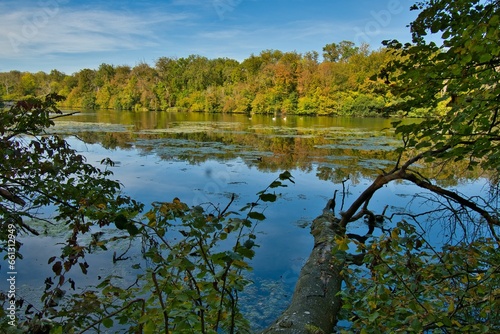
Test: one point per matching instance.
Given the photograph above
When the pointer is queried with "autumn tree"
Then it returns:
(340, 52)
(28, 85)
(9, 81)
(271, 82)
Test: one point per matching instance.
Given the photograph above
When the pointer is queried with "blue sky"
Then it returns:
(69, 35)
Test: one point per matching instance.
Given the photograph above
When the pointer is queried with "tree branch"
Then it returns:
(115, 313)
(11, 197)
(491, 221)
(160, 298)
(64, 115)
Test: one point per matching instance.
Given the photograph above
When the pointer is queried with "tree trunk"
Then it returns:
(315, 304)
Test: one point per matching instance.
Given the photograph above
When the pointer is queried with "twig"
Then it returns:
(343, 192)
(115, 313)
(160, 298)
(227, 206)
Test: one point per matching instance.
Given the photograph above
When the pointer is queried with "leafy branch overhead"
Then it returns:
(195, 262)
(402, 281)
(40, 170)
(411, 283)
(463, 72)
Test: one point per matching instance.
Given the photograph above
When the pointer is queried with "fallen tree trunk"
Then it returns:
(315, 302)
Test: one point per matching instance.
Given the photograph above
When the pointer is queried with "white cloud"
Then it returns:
(38, 31)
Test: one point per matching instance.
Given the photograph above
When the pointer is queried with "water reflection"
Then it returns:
(340, 147)
(337, 144)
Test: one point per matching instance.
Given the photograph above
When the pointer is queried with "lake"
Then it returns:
(206, 158)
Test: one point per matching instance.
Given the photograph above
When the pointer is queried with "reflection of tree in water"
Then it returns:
(336, 153)
(265, 151)
(108, 140)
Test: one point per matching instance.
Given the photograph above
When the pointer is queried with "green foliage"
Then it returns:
(462, 72)
(339, 52)
(199, 276)
(358, 104)
(414, 287)
(196, 264)
(405, 283)
(39, 170)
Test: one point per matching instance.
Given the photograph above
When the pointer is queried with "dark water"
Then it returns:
(203, 158)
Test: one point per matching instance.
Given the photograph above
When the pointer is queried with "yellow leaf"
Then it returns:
(395, 234)
(451, 307)
(151, 216)
(342, 243)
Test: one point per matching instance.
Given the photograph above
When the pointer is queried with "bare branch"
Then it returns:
(491, 221)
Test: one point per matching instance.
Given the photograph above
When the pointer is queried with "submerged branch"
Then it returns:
(65, 115)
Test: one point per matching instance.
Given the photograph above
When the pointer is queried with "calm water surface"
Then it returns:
(203, 158)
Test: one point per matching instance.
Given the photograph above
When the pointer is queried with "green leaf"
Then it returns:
(268, 197)
(485, 57)
(286, 175)
(446, 321)
(373, 316)
(132, 229)
(56, 330)
(246, 252)
(121, 222)
(249, 243)
(256, 215)
(416, 325)
(107, 322)
(276, 184)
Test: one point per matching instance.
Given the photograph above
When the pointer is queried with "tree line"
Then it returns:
(272, 82)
